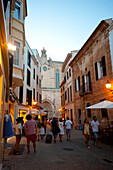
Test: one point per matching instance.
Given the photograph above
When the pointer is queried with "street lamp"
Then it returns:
(108, 85)
(34, 102)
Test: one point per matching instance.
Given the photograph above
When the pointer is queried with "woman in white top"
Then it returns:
(61, 129)
(18, 133)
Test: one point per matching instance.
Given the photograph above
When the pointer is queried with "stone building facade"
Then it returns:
(91, 68)
(30, 92)
(51, 79)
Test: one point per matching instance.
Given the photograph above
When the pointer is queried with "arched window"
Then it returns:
(57, 79)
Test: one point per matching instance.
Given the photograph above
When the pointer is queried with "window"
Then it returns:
(28, 77)
(16, 54)
(29, 59)
(40, 69)
(57, 79)
(40, 83)
(33, 94)
(21, 94)
(34, 73)
(40, 98)
(44, 68)
(77, 84)
(70, 72)
(37, 96)
(79, 116)
(29, 97)
(100, 69)
(71, 93)
(37, 79)
(64, 79)
(17, 10)
(67, 75)
(68, 94)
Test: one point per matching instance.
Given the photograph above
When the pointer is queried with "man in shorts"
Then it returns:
(68, 124)
(31, 131)
(95, 124)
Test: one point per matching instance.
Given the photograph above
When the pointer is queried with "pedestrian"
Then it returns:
(68, 124)
(86, 131)
(95, 128)
(61, 129)
(31, 131)
(7, 129)
(18, 133)
(45, 124)
(38, 126)
(42, 131)
(55, 129)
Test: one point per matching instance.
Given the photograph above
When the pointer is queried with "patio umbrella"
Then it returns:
(102, 105)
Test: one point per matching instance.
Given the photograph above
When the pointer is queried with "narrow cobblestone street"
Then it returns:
(67, 155)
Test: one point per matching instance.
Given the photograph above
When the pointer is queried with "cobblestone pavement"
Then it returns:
(58, 156)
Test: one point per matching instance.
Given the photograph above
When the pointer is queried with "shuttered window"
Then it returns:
(96, 71)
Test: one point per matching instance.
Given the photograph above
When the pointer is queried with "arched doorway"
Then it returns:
(48, 108)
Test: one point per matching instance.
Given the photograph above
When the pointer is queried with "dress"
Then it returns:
(86, 129)
(7, 131)
(55, 128)
(61, 128)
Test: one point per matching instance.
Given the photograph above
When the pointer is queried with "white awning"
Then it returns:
(105, 105)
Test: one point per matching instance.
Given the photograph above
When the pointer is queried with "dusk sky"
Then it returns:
(63, 25)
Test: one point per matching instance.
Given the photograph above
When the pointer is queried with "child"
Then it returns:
(86, 132)
(18, 133)
(42, 131)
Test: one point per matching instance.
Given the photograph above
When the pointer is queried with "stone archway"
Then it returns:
(48, 107)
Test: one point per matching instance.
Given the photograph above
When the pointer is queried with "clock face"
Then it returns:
(44, 68)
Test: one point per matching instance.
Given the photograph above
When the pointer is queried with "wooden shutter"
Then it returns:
(104, 66)
(96, 71)
(83, 84)
(75, 85)
(89, 78)
(79, 83)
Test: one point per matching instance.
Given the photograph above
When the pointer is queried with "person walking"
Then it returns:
(95, 128)
(42, 131)
(7, 129)
(86, 131)
(31, 131)
(55, 129)
(38, 126)
(61, 129)
(68, 124)
(18, 133)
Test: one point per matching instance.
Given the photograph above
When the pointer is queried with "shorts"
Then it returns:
(95, 135)
(68, 131)
(86, 133)
(18, 136)
(31, 138)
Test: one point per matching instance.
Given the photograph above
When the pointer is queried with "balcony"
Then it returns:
(85, 89)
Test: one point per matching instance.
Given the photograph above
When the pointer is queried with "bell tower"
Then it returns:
(43, 55)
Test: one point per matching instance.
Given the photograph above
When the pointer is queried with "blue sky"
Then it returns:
(63, 25)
